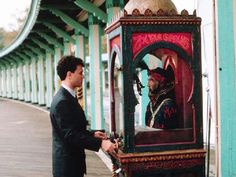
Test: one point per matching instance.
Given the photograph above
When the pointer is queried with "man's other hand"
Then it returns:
(108, 146)
(100, 135)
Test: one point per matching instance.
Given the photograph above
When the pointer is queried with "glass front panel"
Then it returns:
(116, 95)
(165, 113)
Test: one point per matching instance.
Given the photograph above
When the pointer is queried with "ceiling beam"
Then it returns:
(64, 6)
(68, 20)
(21, 60)
(42, 45)
(6, 62)
(59, 32)
(23, 56)
(91, 8)
(35, 50)
(13, 58)
(50, 39)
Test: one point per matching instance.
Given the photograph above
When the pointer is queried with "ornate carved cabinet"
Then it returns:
(145, 35)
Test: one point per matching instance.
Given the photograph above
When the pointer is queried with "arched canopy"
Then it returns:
(50, 23)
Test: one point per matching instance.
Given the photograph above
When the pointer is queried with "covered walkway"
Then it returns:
(53, 29)
(25, 149)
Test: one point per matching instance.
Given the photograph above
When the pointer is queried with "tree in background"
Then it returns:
(1, 39)
(8, 36)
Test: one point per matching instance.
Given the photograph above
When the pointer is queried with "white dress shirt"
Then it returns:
(71, 91)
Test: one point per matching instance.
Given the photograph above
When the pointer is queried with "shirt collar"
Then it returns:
(71, 91)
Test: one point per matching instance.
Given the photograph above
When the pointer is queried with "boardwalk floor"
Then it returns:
(25, 143)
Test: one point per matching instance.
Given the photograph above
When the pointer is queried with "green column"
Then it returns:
(80, 52)
(34, 89)
(27, 91)
(49, 79)
(57, 81)
(103, 76)
(1, 86)
(0, 80)
(21, 82)
(113, 7)
(80, 46)
(66, 48)
(14, 82)
(95, 32)
(9, 82)
(227, 87)
(4, 82)
(41, 83)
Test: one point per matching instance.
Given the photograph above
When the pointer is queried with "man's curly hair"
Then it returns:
(68, 63)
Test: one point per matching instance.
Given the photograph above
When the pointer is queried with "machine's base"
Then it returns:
(178, 163)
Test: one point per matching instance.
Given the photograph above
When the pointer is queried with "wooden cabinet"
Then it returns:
(139, 42)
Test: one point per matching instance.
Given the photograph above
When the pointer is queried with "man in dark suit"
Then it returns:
(69, 133)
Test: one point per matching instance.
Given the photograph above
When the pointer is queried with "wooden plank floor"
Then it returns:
(25, 143)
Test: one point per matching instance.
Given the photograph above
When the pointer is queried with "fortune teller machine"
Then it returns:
(144, 36)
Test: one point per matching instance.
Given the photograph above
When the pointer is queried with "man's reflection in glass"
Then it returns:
(161, 111)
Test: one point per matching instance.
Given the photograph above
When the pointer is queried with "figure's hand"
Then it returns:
(108, 146)
(100, 135)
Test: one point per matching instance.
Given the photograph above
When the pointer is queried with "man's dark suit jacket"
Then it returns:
(70, 136)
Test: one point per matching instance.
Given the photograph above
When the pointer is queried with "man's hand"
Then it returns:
(108, 146)
(100, 135)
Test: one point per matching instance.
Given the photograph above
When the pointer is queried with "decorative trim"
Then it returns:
(165, 165)
(148, 12)
(160, 12)
(184, 12)
(160, 21)
(159, 161)
(136, 12)
(151, 19)
(161, 156)
(156, 18)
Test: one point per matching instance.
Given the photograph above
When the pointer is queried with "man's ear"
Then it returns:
(68, 74)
